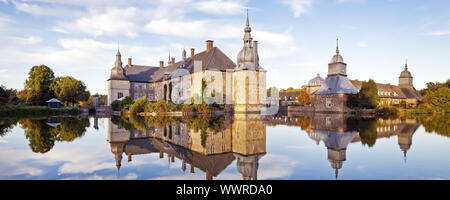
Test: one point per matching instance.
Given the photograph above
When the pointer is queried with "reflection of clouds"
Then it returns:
(79, 160)
(303, 147)
(273, 166)
(187, 176)
(129, 176)
(17, 165)
(147, 159)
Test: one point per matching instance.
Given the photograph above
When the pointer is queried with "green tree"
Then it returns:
(438, 99)
(138, 106)
(125, 103)
(368, 95)
(8, 96)
(69, 90)
(37, 86)
(39, 135)
(367, 129)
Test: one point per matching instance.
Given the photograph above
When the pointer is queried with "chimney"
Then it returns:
(129, 62)
(161, 64)
(192, 51)
(209, 45)
(173, 60)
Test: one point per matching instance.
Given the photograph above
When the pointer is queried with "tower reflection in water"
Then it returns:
(208, 144)
(212, 144)
(338, 131)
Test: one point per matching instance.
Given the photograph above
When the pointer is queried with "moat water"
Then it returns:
(225, 147)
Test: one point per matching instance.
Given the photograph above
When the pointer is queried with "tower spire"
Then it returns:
(406, 64)
(247, 23)
(337, 46)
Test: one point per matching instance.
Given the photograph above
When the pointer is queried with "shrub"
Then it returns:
(187, 108)
(162, 106)
(387, 111)
(138, 106)
(115, 105)
(126, 102)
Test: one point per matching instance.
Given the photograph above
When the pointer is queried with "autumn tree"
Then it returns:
(69, 90)
(304, 98)
(37, 87)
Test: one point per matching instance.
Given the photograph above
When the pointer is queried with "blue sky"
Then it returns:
(297, 38)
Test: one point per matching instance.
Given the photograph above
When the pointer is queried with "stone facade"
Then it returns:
(241, 86)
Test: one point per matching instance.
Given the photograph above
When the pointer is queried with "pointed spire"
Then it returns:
(169, 61)
(247, 36)
(404, 155)
(337, 46)
(336, 173)
(247, 24)
(406, 64)
(183, 54)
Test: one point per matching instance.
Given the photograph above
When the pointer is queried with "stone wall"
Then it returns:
(330, 103)
(116, 86)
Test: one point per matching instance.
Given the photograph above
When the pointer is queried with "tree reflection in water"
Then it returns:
(42, 135)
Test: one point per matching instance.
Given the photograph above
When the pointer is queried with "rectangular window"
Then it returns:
(212, 148)
(223, 147)
(119, 95)
(144, 87)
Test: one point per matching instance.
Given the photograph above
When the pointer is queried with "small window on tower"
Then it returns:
(119, 95)
(328, 103)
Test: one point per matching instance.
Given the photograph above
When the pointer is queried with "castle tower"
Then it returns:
(249, 143)
(405, 78)
(249, 78)
(333, 93)
(118, 84)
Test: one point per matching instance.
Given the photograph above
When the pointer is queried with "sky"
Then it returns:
(297, 38)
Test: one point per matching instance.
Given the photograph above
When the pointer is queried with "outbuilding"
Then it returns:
(53, 103)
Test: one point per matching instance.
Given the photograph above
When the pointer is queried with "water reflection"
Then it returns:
(210, 144)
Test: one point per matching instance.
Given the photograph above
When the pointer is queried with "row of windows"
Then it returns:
(224, 147)
(383, 93)
(143, 86)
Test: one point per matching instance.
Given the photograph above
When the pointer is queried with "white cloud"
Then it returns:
(3, 75)
(193, 29)
(439, 33)
(275, 166)
(111, 22)
(298, 7)
(220, 7)
(363, 44)
(39, 10)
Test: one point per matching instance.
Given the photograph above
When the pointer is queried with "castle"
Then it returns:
(331, 94)
(210, 75)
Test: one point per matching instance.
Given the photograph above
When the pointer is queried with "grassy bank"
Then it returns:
(36, 111)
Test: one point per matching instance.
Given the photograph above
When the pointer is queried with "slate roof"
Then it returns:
(336, 84)
(336, 140)
(214, 59)
(392, 91)
(53, 100)
(140, 73)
